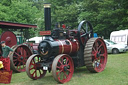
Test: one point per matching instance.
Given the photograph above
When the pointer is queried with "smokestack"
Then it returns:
(47, 16)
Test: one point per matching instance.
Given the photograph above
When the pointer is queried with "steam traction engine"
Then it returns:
(64, 50)
(21, 52)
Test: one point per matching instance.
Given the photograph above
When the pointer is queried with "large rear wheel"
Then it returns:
(62, 68)
(95, 55)
(19, 57)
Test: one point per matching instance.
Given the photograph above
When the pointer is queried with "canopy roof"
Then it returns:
(11, 25)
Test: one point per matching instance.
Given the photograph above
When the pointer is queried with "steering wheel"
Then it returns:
(85, 31)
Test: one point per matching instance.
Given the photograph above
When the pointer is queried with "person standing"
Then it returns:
(5, 55)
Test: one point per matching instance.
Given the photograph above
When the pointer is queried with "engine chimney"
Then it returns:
(47, 16)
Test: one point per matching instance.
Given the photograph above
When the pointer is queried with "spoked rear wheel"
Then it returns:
(95, 55)
(62, 68)
(33, 70)
(19, 57)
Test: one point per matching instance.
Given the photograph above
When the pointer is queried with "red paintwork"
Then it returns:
(75, 31)
(99, 47)
(9, 38)
(6, 63)
(10, 25)
(45, 32)
(70, 48)
(62, 75)
(20, 56)
(33, 68)
(34, 46)
(64, 26)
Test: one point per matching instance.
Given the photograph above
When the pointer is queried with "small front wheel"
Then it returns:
(32, 69)
(62, 68)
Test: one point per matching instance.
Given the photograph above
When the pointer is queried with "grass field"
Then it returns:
(115, 73)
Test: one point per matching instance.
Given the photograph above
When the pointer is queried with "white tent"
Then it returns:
(35, 39)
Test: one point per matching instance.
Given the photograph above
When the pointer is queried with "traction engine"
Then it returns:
(20, 52)
(62, 50)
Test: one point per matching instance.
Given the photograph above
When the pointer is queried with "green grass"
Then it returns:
(115, 73)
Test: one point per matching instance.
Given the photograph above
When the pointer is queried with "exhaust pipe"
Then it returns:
(47, 16)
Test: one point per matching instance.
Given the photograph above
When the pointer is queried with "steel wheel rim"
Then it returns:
(19, 57)
(95, 55)
(31, 68)
(62, 68)
(99, 55)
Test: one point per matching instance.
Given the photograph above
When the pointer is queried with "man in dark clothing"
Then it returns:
(6, 49)
(5, 58)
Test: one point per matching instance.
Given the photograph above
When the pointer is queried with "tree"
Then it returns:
(6, 2)
(21, 12)
(66, 15)
(105, 15)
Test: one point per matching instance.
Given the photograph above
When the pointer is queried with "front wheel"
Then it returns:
(32, 69)
(62, 68)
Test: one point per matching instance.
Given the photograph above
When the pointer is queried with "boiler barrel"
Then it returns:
(52, 48)
(68, 47)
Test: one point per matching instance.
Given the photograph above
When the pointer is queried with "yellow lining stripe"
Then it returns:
(62, 46)
(44, 53)
(70, 44)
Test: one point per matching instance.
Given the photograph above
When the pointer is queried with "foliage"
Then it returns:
(66, 15)
(105, 15)
(19, 11)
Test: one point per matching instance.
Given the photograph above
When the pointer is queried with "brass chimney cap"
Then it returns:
(47, 5)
